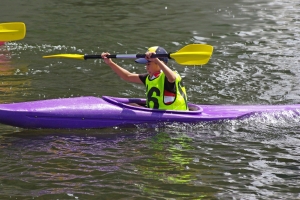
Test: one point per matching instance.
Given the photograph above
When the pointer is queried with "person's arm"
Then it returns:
(121, 72)
(167, 71)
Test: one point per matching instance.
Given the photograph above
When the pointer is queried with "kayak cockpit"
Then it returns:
(140, 104)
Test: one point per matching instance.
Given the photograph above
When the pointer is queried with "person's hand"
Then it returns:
(148, 57)
(104, 56)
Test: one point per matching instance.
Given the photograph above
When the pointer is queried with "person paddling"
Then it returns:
(164, 87)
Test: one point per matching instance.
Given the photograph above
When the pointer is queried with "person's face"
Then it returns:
(152, 68)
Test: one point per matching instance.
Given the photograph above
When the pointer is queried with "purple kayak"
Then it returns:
(93, 112)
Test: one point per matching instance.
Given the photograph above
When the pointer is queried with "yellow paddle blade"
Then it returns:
(72, 56)
(193, 54)
(12, 31)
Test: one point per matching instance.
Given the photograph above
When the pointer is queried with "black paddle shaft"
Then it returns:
(124, 56)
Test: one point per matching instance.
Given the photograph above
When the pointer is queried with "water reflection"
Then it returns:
(172, 165)
(72, 159)
(151, 161)
(13, 76)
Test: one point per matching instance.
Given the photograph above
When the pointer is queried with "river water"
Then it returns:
(255, 61)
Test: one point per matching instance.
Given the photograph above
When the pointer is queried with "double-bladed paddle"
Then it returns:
(11, 31)
(192, 54)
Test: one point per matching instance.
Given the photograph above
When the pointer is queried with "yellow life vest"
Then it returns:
(158, 98)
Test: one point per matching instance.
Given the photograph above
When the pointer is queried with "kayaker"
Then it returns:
(164, 87)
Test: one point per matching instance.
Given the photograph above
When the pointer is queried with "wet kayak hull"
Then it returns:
(94, 112)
